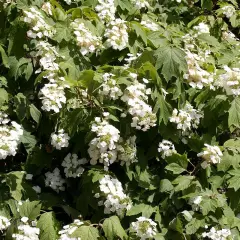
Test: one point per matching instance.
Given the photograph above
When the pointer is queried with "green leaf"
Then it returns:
(181, 160)
(20, 103)
(171, 61)
(234, 113)
(228, 160)
(29, 141)
(176, 224)
(4, 57)
(182, 182)
(165, 109)
(35, 113)
(165, 185)
(14, 180)
(205, 37)
(113, 228)
(140, 31)
(48, 226)
(30, 209)
(175, 168)
(145, 209)
(194, 225)
(86, 233)
(208, 4)
(234, 181)
(3, 96)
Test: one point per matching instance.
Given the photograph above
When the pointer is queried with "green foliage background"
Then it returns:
(159, 188)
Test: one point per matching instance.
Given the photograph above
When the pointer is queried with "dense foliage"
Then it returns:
(119, 119)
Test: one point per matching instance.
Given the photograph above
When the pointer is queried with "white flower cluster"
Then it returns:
(230, 80)
(73, 166)
(194, 202)
(26, 231)
(136, 97)
(116, 34)
(144, 228)
(210, 155)
(167, 148)
(140, 4)
(197, 76)
(40, 28)
(86, 40)
(228, 35)
(214, 234)
(228, 10)
(106, 10)
(127, 151)
(68, 230)
(53, 97)
(110, 87)
(103, 148)
(150, 25)
(10, 133)
(68, 1)
(48, 55)
(60, 139)
(6, 2)
(201, 28)
(130, 58)
(116, 200)
(4, 223)
(47, 8)
(54, 180)
(186, 118)
(52, 94)
(37, 189)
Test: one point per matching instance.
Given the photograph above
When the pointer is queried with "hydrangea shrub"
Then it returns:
(119, 119)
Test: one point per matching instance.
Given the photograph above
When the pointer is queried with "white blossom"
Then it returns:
(10, 133)
(230, 81)
(136, 97)
(166, 148)
(25, 231)
(54, 180)
(144, 228)
(37, 189)
(60, 139)
(106, 10)
(29, 176)
(116, 200)
(40, 28)
(68, 1)
(53, 97)
(130, 58)
(47, 8)
(140, 3)
(103, 147)
(86, 40)
(194, 202)
(110, 87)
(228, 10)
(210, 155)
(68, 230)
(48, 55)
(149, 24)
(73, 166)
(186, 118)
(4, 223)
(116, 34)
(197, 76)
(201, 28)
(214, 234)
